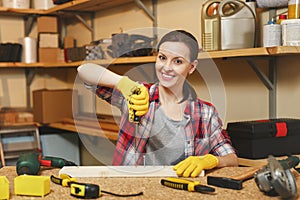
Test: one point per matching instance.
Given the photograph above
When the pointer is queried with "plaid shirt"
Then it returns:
(204, 133)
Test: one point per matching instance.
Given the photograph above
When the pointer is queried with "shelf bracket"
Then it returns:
(28, 23)
(269, 82)
(152, 16)
(145, 9)
(88, 26)
(29, 74)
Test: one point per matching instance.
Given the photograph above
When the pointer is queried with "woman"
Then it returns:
(176, 127)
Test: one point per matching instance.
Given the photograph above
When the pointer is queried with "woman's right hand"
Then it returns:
(137, 97)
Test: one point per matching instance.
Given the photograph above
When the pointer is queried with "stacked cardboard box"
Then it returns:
(48, 39)
(54, 105)
(13, 116)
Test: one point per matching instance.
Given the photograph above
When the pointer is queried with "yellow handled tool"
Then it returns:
(84, 190)
(183, 184)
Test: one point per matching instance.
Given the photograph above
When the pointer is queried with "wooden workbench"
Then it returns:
(151, 187)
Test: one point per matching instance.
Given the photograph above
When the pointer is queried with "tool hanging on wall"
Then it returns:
(276, 179)
(84, 190)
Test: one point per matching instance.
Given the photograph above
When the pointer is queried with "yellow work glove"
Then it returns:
(193, 165)
(136, 95)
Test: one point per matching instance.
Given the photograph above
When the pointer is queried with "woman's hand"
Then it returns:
(193, 165)
(136, 95)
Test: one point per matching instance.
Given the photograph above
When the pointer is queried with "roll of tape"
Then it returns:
(272, 3)
(29, 49)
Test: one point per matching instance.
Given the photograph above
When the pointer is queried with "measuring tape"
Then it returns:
(84, 190)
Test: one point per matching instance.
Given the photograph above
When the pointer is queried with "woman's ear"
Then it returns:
(193, 66)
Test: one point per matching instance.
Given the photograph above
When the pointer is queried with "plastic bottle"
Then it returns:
(237, 24)
(272, 34)
(294, 9)
(210, 25)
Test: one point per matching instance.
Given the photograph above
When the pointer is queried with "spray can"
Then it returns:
(294, 9)
(210, 25)
(237, 25)
(272, 34)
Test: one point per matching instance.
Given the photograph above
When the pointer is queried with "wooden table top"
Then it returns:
(151, 187)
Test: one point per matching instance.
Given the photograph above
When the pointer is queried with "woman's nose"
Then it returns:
(168, 66)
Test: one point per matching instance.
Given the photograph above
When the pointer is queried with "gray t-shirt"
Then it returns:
(167, 141)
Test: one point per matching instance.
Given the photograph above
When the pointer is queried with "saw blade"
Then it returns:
(283, 180)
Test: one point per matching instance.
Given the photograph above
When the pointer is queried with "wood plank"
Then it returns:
(92, 5)
(270, 51)
(258, 162)
(92, 124)
(261, 51)
(19, 11)
(75, 5)
(120, 171)
(284, 50)
(111, 135)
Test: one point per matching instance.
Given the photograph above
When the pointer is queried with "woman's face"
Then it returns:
(173, 64)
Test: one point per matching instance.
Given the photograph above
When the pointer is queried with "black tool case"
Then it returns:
(258, 139)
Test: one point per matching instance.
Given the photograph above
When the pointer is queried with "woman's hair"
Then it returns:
(185, 37)
(191, 42)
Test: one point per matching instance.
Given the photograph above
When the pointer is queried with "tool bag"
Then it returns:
(260, 138)
(130, 45)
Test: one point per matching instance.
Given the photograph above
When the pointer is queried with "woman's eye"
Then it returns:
(161, 57)
(177, 61)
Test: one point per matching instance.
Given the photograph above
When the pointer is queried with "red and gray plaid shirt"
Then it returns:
(204, 133)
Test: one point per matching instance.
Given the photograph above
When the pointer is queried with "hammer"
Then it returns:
(236, 182)
(232, 182)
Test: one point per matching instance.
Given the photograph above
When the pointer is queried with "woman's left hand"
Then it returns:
(193, 165)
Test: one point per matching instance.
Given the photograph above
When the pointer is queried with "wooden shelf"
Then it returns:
(75, 5)
(89, 5)
(262, 51)
(117, 61)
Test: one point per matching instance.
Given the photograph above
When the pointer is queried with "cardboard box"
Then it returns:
(53, 105)
(48, 40)
(47, 24)
(8, 118)
(51, 55)
(69, 42)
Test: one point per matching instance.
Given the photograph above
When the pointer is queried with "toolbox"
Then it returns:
(260, 138)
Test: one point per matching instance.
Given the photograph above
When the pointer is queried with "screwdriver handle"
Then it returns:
(176, 184)
(136, 119)
(181, 184)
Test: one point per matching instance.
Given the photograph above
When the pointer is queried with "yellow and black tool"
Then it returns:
(183, 184)
(84, 190)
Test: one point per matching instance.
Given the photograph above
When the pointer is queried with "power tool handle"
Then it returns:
(290, 162)
(55, 162)
(136, 119)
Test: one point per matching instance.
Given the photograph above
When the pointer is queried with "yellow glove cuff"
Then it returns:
(127, 86)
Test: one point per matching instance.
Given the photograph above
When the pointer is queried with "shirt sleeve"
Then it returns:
(219, 139)
(114, 97)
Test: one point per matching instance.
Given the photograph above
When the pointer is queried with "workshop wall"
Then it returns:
(246, 96)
